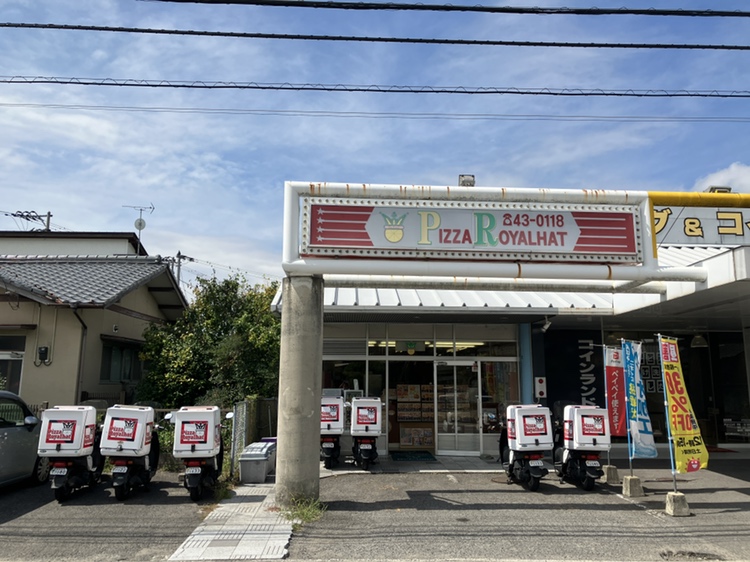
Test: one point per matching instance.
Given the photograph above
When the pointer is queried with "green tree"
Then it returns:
(225, 347)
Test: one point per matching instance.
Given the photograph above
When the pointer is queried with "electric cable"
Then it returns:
(369, 39)
(392, 115)
(471, 8)
(375, 88)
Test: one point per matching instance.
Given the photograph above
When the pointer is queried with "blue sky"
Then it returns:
(216, 178)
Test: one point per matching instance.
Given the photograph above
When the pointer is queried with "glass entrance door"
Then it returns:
(457, 407)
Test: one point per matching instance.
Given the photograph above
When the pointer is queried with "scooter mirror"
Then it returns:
(168, 417)
(229, 415)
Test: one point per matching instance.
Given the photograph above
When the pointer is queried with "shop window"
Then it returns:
(486, 349)
(120, 363)
(376, 379)
(344, 375)
(412, 348)
(377, 347)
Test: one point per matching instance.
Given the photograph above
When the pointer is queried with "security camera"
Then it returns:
(546, 325)
(115, 328)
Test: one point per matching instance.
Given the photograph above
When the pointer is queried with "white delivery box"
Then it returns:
(586, 428)
(68, 431)
(366, 416)
(127, 431)
(331, 415)
(197, 431)
(529, 427)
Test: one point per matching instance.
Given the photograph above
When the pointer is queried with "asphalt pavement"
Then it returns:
(464, 509)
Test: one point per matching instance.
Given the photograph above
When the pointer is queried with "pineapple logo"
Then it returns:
(394, 227)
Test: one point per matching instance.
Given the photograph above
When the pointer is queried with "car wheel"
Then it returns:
(41, 471)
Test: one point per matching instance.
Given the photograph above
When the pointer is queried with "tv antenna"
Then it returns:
(140, 223)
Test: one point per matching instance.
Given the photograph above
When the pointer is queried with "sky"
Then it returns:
(205, 168)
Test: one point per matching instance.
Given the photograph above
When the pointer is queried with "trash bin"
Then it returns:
(256, 462)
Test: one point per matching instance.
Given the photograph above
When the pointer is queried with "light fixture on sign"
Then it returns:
(466, 180)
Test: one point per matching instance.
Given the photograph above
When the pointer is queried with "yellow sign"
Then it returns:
(689, 449)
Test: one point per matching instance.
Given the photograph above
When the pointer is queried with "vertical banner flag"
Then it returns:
(614, 374)
(689, 450)
(639, 422)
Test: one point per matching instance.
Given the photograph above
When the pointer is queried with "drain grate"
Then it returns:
(687, 555)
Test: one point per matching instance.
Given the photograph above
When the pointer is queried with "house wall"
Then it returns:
(102, 323)
(57, 329)
(64, 247)
(56, 380)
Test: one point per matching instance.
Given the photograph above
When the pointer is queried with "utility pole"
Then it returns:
(180, 257)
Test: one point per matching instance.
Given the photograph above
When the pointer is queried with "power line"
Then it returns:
(368, 39)
(375, 88)
(392, 115)
(483, 9)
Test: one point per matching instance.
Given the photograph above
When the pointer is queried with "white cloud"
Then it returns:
(736, 176)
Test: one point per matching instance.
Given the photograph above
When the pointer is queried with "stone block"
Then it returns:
(631, 487)
(677, 505)
(611, 476)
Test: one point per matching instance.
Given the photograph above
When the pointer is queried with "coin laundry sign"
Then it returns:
(472, 230)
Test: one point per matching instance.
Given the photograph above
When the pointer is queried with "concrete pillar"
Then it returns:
(300, 381)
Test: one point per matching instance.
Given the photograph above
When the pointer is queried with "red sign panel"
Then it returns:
(435, 230)
(122, 429)
(534, 425)
(60, 431)
(194, 432)
(367, 415)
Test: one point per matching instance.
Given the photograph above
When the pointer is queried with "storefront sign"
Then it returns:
(471, 231)
(689, 450)
(702, 225)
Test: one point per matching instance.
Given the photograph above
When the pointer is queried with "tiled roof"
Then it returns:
(88, 281)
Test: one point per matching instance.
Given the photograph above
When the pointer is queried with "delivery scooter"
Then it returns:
(529, 437)
(131, 442)
(331, 429)
(198, 442)
(365, 429)
(70, 439)
(584, 435)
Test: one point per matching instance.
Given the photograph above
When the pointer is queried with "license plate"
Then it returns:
(326, 445)
(365, 446)
(593, 463)
(536, 463)
(193, 470)
(58, 472)
(119, 469)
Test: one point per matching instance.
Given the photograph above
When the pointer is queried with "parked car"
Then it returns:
(19, 441)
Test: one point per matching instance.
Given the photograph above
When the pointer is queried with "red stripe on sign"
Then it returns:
(605, 233)
(337, 226)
